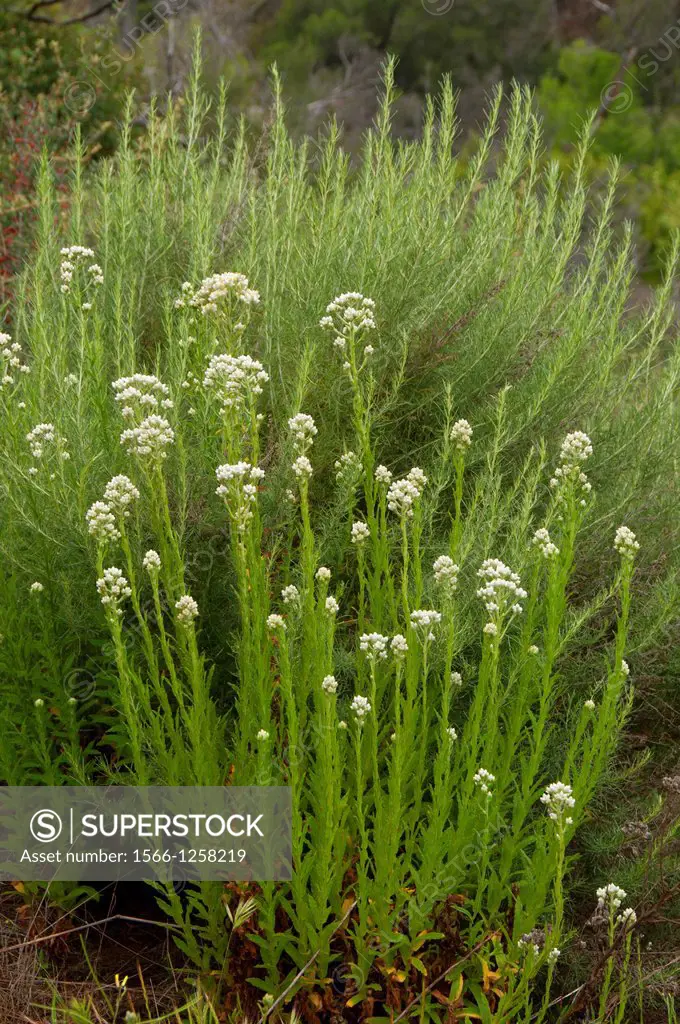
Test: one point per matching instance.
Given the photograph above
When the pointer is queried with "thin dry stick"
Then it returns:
(84, 927)
(441, 977)
(302, 971)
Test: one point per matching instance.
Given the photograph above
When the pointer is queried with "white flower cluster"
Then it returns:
(36, 587)
(559, 801)
(348, 316)
(238, 486)
(374, 645)
(348, 469)
(290, 594)
(610, 897)
(101, 523)
(383, 476)
(302, 467)
(262, 735)
(404, 493)
(217, 292)
(625, 542)
(119, 494)
(10, 361)
(425, 619)
(627, 918)
(484, 780)
(451, 733)
(37, 438)
(360, 533)
(141, 394)
(72, 257)
(152, 562)
(576, 449)
(275, 623)
(329, 685)
(42, 436)
(323, 574)
(304, 431)
(501, 590)
(187, 610)
(461, 435)
(446, 573)
(234, 379)
(361, 707)
(113, 589)
(399, 647)
(332, 606)
(150, 439)
(542, 541)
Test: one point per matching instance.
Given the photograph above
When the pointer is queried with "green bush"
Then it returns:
(337, 439)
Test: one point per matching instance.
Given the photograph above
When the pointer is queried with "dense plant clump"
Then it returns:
(258, 530)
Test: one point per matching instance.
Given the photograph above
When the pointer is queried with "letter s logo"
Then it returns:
(46, 826)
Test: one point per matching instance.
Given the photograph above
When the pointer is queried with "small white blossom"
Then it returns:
(10, 362)
(533, 649)
(461, 435)
(342, 724)
(374, 645)
(627, 918)
(348, 316)
(263, 735)
(302, 468)
(403, 494)
(576, 449)
(304, 431)
(501, 590)
(456, 679)
(323, 574)
(36, 587)
(101, 523)
(41, 435)
(361, 707)
(554, 955)
(332, 606)
(590, 705)
(150, 439)
(425, 619)
(290, 594)
(187, 610)
(610, 896)
(559, 801)
(491, 629)
(152, 561)
(383, 476)
(234, 379)
(113, 589)
(275, 622)
(360, 533)
(451, 733)
(626, 544)
(541, 540)
(484, 780)
(329, 684)
(38, 703)
(237, 484)
(140, 395)
(446, 572)
(119, 494)
(399, 646)
(218, 294)
(348, 469)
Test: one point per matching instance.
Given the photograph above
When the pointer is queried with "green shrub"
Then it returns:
(344, 445)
